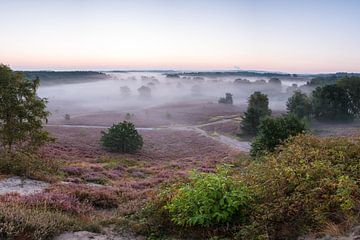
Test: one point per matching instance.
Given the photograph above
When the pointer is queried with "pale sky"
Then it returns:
(303, 36)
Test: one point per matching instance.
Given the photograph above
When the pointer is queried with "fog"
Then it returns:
(120, 92)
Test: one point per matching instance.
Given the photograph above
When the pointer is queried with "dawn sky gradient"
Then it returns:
(302, 36)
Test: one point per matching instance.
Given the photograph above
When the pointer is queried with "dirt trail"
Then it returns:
(243, 146)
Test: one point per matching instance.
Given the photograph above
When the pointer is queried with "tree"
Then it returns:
(22, 113)
(275, 81)
(331, 102)
(227, 100)
(122, 137)
(144, 92)
(125, 91)
(352, 86)
(299, 104)
(273, 131)
(258, 108)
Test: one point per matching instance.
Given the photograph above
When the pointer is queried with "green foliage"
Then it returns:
(227, 100)
(22, 113)
(332, 102)
(307, 184)
(352, 87)
(299, 104)
(258, 108)
(28, 164)
(122, 137)
(273, 131)
(209, 199)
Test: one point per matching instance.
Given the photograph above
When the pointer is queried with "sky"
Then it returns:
(303, 36)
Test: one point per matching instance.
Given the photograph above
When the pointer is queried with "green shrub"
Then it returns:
(273, 131)
(307, 184)
(28, 165)
(122, 137)
(209, 199)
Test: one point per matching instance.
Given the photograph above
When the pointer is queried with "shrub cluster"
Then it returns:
(308, 183)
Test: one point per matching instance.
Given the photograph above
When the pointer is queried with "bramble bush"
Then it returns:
(122, 137)
(208, 199)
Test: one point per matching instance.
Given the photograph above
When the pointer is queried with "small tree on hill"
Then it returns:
(22, 113)
(299, 104)
(258, 108)
(273, 131)
(122, 137)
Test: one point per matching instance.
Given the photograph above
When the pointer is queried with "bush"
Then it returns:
(28, 165)
(308, 183)
(18, 221)
(122, 137)
(273, 131)
(101, 198)
(209, 199)
(258, 108)
(299, 104)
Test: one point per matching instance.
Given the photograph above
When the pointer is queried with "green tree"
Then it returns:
(122, 137)
(352, 87)
(299, 104)
(331, 102)
(258, 108)
(22, 113)
(273, 131)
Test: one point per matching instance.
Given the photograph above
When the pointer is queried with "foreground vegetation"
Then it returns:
(308, 184)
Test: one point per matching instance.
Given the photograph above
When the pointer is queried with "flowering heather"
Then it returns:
(58, 201)
(97, 197)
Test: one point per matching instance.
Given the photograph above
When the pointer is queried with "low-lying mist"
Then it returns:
(136, 90)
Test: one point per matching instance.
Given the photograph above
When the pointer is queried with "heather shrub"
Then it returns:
(122, 137)
(103, 198)
(308, 183)
(18, 221)
(57, 202)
